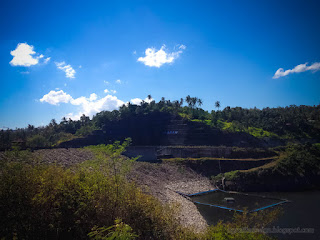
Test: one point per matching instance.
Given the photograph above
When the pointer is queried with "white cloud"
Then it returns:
(109, 102)
(88, 106)
(118, 81)
(56, 97)
(156, 58)
(93, 97)
(70, 72)
(297, 69)
(23, 55)
(183, 47)
(111, 91)
(137, 101)
(46, 60)
(106, 82)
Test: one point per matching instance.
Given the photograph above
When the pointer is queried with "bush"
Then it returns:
(47, 201)
(85, 130)
(37, 141)
(120, 231)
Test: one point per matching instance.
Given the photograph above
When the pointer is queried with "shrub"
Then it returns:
(120, 231)
(37, 141)
(47, 201)
(85, 130)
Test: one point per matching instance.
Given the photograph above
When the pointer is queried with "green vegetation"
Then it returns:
(46, 201)
(85, 130)
(296, 162)
(235, 126)
(291, 122)
(299, 160)
(150, 120)
(93, 200)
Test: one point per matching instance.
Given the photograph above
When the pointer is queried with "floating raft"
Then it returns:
(271, 202)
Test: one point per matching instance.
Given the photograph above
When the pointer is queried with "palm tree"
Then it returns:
(149, 97)
(188, 100)
(53, 123)
(200, 102)
(194, 101)
(217, 104)
(181, 102)
(64, 120)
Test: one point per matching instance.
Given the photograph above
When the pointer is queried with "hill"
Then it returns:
(175, 123)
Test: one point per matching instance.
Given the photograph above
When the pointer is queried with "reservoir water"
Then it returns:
(303, 212)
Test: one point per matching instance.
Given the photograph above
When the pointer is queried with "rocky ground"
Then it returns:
(164, 180)
(63, 156)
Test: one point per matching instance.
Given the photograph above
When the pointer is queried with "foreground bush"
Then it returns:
(50, 202)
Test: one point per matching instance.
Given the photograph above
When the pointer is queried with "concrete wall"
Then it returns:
(196, 152)
(151, 153)
(214, 167)
(147, 153)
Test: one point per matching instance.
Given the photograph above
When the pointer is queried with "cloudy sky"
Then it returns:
(66, 58)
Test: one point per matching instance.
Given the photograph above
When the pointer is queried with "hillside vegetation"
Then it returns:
(297, 168)
(293, 122)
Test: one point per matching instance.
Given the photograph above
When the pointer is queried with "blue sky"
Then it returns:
(63, 58)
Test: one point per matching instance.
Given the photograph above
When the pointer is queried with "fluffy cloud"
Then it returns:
(56, 97)
(70, 72)
(23, 55)
(137, 101)
(156, 58)
(118, 81)
(111, 91)
(93, 97)
(88, 106)
(297, 69)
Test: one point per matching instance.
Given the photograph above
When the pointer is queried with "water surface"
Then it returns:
(302, 212)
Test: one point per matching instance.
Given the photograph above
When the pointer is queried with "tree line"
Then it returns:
(287, 122)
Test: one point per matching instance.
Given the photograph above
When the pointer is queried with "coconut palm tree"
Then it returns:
(194, 101)
(181, 102)
(217, 104)
(188, 100)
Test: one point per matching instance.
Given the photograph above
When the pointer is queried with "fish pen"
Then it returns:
(234, 201)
